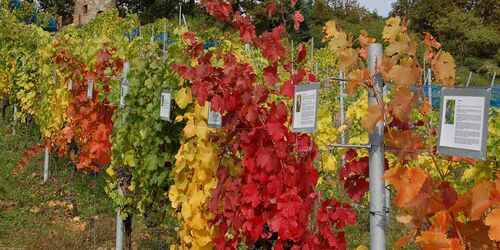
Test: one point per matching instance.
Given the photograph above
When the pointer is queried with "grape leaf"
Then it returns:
(493, 220)
(412, 186)
(298, 18)
(371, 118)
(403, 102)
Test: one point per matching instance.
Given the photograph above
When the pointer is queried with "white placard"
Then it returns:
(90, 88)
(165, 102)
(70, 84)
(464, 122)
(214, 118)
(305, 108)
(462, 126)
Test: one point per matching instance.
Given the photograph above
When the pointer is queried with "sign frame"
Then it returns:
(211, 124)
(90, 89)
(166, 91)
(302, 88)
(465, 92)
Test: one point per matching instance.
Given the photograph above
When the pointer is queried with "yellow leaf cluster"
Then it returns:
(195, 177)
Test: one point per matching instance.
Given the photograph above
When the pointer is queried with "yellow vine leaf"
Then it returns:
(183, 97)
(194, 176)
(392, 29)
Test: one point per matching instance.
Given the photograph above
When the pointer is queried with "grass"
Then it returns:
(38, 215)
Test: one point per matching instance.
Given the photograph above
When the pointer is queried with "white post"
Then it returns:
(120, 227)
(180, 14)
(312, 52)
(15, 120)
(164, 58)
(292, 56)
(493, 80)
(46, 165)
(342, 114)
(185, 23)
(468, 80)
(429, 82)
(376, 158)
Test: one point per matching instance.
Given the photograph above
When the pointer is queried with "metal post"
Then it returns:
(468, 80)
(376, 158)
(493, 80)
(164, 58)
(312, 52)
(46, 165)
(180, 14)
(120, 227)
(342, 114)
(292, 56)
(429, 82)
(185, 23)
(14, 117)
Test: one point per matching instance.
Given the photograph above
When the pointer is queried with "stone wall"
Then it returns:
(86, 10)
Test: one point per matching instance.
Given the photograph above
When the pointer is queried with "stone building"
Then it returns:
(86, 10)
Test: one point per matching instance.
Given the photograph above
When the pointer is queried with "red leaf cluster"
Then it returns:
(270, 203)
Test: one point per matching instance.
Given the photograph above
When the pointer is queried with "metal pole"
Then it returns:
(468, 80)
(120, 227)
(312, 53)
(46, 165)
(429, 82)
(493, 80)
(185, 23)
(376, 158)
(180, 14)
(292, 56)
(15, 120)
(164, 58)
(342, 114)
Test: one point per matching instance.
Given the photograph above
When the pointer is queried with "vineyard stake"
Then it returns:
(46, 165)
(468, 79)
(120, 227)
(376, 158)
(15, 120)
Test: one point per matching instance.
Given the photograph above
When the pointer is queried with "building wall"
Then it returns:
(86, 10)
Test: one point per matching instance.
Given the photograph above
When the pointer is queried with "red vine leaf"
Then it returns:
(302, 53)
(298, 18)
(271, 74)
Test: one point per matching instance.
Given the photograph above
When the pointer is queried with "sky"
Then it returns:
(382, 6)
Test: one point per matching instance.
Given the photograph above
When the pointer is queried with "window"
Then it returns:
(85, 9)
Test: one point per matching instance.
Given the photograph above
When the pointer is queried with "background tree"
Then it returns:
(56, 8)
(470, 29)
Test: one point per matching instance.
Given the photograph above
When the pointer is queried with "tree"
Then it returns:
(56, 8)
(467, 34)
(150, 10)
